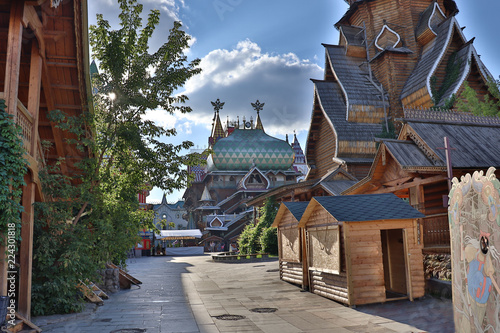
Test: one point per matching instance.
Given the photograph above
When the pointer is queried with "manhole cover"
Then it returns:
(129, 330)
(229, 317)
(264, 310)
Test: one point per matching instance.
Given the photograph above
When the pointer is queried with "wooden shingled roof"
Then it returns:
(333, 104)
(353, 77)
(466, 57)
(365, 207)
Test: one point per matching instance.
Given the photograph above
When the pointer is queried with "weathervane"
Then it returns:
(218, 105)
(258, 106)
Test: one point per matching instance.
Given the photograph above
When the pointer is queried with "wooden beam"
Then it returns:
(26, 250)
(12, 67)
(27, 217)
(49, 99)
(415, 182)
(31, 19)
(397, 182)
(35, 87)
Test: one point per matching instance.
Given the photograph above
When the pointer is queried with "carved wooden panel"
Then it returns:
(474, 216)
(324, 249)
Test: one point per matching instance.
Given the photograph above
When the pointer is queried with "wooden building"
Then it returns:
(359, 253)
(244, 162)
(44, 66)
(291, 242)
(414, 166)
(391, 56)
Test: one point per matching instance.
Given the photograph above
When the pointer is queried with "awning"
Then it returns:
(179, 234)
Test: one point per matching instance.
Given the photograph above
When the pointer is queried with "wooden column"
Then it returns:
(11, 85)
(14, 41)
(26, 249)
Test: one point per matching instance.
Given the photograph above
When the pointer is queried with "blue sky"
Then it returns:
(268, 50)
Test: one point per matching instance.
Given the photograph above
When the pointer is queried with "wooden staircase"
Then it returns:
(126, 280)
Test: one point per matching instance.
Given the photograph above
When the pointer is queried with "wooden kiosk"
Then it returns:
(291, 241)
(363, 248)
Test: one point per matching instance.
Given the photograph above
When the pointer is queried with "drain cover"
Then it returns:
(129, 330)
(273, 270)
(229, 317)
(264, 310)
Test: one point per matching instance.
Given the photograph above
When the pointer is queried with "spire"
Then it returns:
(164, 199)
(287, 139)
(258, 106)
(217, 130)
(205, 197)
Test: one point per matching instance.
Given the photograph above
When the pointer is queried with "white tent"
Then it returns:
(179, 234)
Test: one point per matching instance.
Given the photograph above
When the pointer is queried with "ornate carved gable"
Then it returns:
(407, 133)
(255, 180)
(387, 38)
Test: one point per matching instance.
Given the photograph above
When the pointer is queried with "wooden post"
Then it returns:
(27, 217)
(26, 248)
(35, 85)
(305, 260)
(12, 67)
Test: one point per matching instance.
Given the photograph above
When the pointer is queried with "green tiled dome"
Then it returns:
(244, 148)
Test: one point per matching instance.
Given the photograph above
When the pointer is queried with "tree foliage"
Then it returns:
(93, 217)
(260, 237)
(13, 167)
(469, 101)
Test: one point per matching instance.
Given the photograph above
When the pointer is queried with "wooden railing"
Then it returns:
(436, 231)
(25, 120)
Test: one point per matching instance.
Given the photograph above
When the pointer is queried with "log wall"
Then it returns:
(365, 267)
(291, 272)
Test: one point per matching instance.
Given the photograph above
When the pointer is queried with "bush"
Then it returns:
(269, 241)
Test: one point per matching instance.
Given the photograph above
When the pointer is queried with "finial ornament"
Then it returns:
(218, 105)
(258, 106)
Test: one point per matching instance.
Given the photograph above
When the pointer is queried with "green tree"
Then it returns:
(251, 240)
(469, 101)
(93, 217)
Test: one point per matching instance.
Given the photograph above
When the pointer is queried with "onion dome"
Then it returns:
(247, 148)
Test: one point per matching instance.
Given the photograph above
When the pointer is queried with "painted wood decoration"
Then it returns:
(290, 244)
(474, 216)
(324, 249)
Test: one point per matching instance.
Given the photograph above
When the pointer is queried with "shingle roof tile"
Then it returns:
(368, 207)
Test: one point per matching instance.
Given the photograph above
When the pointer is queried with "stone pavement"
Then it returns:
(190, 294)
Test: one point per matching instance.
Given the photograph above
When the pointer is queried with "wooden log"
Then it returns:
(294, 281)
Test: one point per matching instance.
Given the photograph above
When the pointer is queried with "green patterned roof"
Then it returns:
(244, 148)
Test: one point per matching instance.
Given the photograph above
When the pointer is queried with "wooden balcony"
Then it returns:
(25, 120)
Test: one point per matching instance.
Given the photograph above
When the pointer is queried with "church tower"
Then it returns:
(217, 130)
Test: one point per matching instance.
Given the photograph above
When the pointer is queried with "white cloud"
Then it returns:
(161, 118)
(170, 7)
(244, 74)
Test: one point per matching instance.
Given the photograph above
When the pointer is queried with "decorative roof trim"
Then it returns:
(217, 218)
(329, 122)
(409, 132)
(249, 173)
(380, 34)
(443, 51)
(432, 15)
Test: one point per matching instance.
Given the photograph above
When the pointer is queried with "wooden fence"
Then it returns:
(436, 231)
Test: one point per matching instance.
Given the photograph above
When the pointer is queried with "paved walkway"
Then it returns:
(188, 294)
